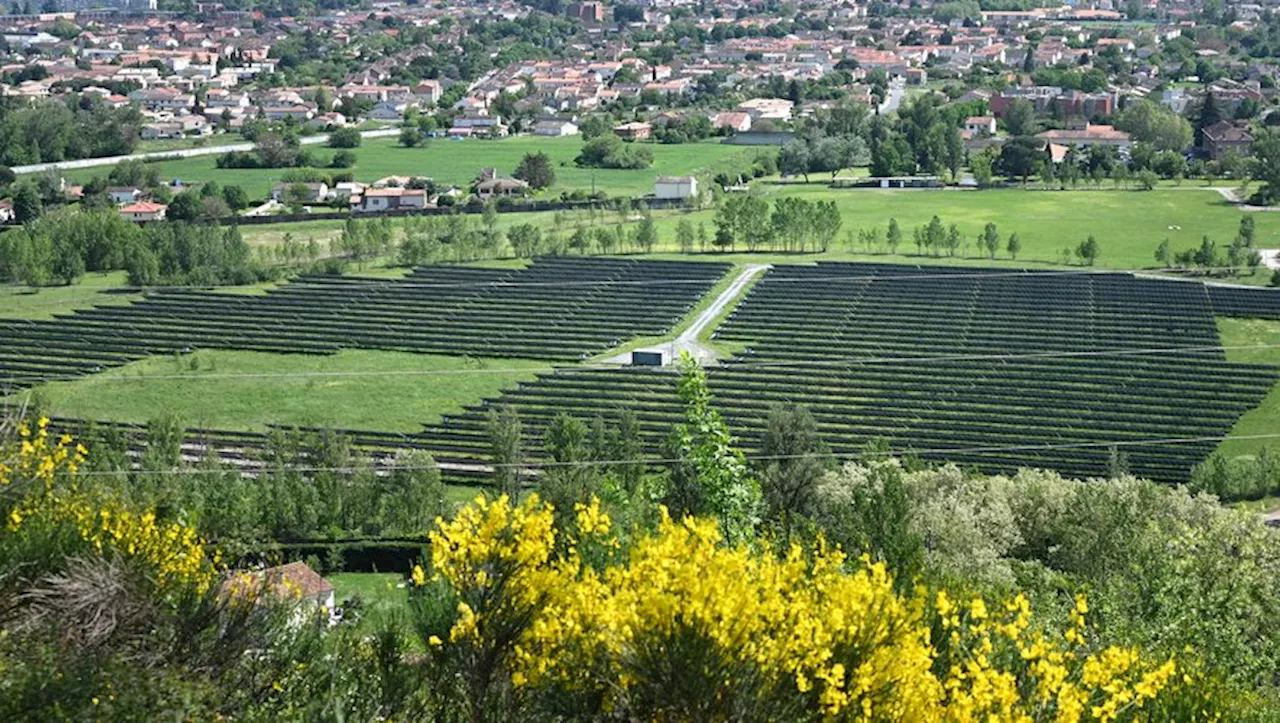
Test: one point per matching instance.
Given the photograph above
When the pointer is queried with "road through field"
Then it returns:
(687, 340)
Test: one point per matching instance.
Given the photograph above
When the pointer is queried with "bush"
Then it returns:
(345, 138)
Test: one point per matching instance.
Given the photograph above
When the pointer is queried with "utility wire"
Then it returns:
(533, 465)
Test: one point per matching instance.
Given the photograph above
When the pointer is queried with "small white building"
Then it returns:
(121, 195)
(555, 128)
(390, 199)
(675, 187)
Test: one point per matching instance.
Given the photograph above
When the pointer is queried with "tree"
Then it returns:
(1088, 250)
(343, 159)
(981, 167)
(536, 170)
(411, 137)
(184, 207)
(1147, 179)
(1163, 255)
(894, 236)
(525, 239)
(711, 477)
(571, 479)
(991, 239)
(793, 159)
(1209, 114)
(800, 458)
(1149, 122)
(235, 197)
(1266, 166)
(345, 138)
(27, 205)
(276, 151)
(1014, 245)
(505, 432)
(1020, 120)
(685, 236)
(1021, 157)
(646, 234)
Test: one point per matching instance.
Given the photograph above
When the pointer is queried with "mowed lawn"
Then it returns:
(25, 302)
(1128, 225)
(1263, 336)
(458, 162)
(353, 389)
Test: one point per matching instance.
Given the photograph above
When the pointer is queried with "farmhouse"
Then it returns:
(495, 187)
(124, 194)
(675, 187)
(143, 211)
(555, 128)
(389, 199)
(633, 131)
(308, 192)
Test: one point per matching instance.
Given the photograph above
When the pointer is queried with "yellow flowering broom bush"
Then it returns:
(684, 626)
(47, 516)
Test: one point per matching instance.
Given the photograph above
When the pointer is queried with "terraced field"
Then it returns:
(993, 369)
(558, 308)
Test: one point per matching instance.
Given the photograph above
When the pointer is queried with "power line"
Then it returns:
(534, 465)
(796, 363)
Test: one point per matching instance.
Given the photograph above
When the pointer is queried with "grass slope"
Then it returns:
(1265, 418)
(380, 395)
(25, 302)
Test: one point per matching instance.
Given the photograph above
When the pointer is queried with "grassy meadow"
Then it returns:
(457, 162)
(1264, 335)
(240, 390)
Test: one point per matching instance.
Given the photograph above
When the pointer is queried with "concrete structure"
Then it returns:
(675, 187)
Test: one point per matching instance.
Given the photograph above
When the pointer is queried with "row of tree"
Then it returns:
(794, 224)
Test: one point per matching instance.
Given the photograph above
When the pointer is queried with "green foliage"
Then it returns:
(609, 151)
(536, 170)
(711, 477)
(345, 138)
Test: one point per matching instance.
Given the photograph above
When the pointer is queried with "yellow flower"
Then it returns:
(419, 576)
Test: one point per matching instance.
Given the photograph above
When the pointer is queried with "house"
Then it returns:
(777, 109)
(388, 111)
(736, 121)
(1225, 137)
(675, 187)
(389, 199)
(555, 128)
(6, 211)
(124, 194)
(1090, 135)
(292, 582)
(308, 192)
(284, 112)
(143, 211)
(980, 125)
(633, 131)
(494, 187)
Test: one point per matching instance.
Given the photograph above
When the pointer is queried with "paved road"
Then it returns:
(688, 339)
(181, 153)
(897, 91)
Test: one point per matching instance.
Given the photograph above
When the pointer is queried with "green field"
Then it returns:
(457, 162)
(353, 389)
(1265, 419)
(381, 594)
(25, 302)
(1128, 224)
